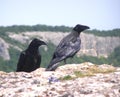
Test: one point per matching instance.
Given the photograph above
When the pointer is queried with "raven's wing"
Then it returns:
(38, 61)
(64, 50)
(21, 61)
(67, 47)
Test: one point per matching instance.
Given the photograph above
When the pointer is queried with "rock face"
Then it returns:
(90, 45)
(64, 82)
(4, 53)
(98, 46)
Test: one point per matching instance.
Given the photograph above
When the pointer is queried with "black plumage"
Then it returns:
(30, 59)
(68, 47)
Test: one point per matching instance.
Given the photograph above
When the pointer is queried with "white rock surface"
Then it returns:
(4, 50)
(90, 45)
(36, 83)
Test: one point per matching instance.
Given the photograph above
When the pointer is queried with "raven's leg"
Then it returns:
(72, 61)
(65, 61)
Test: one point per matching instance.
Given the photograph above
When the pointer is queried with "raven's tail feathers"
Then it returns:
(53, 64)
(53, 67)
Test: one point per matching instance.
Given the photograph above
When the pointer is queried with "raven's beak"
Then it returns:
(87, 27)
(43, 43)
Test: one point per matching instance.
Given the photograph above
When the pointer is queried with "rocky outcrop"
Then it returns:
(4, 49)
(74, 80)
(4, 53)
(98, 46)
(53, 37)
(91, 45)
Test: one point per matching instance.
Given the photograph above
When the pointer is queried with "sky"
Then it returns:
(97, 14)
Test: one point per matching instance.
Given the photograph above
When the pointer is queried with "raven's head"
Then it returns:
(36, 43)
(79, 28)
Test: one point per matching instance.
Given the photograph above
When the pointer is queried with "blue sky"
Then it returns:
(98, 14)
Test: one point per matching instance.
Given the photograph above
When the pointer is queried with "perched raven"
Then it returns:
(30, 59)
(68, 47)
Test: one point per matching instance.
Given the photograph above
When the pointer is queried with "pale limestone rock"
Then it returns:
(90, 44)
(36, 83)
(4, 49)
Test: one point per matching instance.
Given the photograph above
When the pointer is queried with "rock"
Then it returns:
(19, 37)
(41, 83)
(4, 50)
(97, 46)
(90, 45)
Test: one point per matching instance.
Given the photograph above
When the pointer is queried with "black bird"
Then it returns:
(68, 47)
(30, 59)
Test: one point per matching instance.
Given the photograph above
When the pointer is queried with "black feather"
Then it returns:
(30, 59)
(68, 47)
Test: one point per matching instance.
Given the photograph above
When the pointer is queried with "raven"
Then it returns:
(30, 59)
(68, 47)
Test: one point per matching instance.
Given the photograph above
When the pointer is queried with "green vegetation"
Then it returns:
(38, 27)
(114, 32)
(10, 65)
(91, 71)
(68, 77)
(82, 74)
(24, 28)
(47, 55)
(114, 58)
